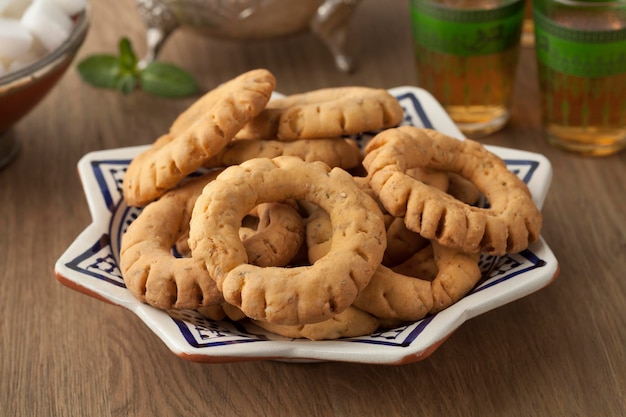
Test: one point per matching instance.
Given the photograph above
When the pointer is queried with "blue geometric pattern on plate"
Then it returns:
(98, 262)
(201, 332)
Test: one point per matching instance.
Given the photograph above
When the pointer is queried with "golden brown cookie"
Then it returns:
(509, 224)
(433, 178)
(277, 237)
(325, 113)
(462, 189)
(392, 295)
(274, 238)
(335, 152)
(157, 277)
(421, 264)
(351, 322)
(402, 243)
(298, 295)
(198, 134)
(150, 270)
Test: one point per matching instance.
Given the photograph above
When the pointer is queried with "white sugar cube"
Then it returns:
(31, 28)
(49, 10)
(15, 39)
(48, 23)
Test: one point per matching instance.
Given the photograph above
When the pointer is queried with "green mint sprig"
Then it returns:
(123, 73)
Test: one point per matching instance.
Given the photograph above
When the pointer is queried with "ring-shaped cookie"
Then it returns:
(402, 243)
(334, 152)
(351, 322)
(277, 237)
(509, 224)
(156, 276)
(325, 113)
(393, 295)
(297, 295)
(151, 271)
(196, 135)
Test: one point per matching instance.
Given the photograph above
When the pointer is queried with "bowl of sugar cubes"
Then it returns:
(38, 41)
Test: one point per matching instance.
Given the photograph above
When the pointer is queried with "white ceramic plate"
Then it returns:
(90, 265)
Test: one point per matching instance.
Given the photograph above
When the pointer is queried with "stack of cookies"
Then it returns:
(266, 210)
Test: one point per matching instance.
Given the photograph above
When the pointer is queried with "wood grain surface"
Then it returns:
(558, 352)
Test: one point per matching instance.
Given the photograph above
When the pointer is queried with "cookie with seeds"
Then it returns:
(351, 322)
(197, 135)
(432, 279)
(157, 275)
(335, 152)
(292, 295)
(325, 113)
(510, 223)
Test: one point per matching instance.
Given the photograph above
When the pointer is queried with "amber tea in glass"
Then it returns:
(466, 54)
(581, 61)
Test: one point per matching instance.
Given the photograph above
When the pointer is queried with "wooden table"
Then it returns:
(558, 352)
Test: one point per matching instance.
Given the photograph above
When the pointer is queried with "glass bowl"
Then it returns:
(22, 90)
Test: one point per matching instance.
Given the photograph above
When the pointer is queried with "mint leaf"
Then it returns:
(128, 59)
(167, 80)
(126, 83)
(100, 70)
(122, 73)
(105, 71)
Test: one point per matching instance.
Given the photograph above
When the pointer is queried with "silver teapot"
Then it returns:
(250, 19)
